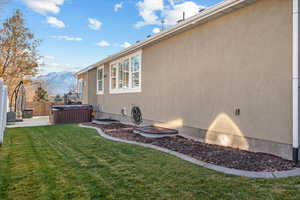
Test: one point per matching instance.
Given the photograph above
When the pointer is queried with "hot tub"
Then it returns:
(64, 114)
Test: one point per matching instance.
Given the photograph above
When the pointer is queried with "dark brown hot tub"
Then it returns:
(63, 114)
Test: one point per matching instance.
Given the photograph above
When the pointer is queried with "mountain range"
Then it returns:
(58, 82)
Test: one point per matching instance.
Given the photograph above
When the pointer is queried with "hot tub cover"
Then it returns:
(72, 107)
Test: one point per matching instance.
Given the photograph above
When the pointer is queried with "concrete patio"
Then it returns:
(35, 121)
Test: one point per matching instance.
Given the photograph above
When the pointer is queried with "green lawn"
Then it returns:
(68, 162)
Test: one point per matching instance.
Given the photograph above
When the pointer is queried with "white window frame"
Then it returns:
(80, 85)
(115, 77)
(99, 92)
(130, 89)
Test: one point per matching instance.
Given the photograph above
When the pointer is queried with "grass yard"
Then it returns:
(68, 162)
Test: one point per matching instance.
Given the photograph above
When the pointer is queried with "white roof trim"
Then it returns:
(227, 6)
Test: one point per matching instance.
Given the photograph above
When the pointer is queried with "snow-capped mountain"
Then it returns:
(58, 82)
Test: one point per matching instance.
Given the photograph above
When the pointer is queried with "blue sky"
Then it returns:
(77, 33)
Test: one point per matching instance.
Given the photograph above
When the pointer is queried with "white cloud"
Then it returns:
(118, 6)
(103, 43)
(94, 24)
(57, 65)
(154, 11)
(53, 21)
(49, 57)
(175, 13)
(172, 3)
(147, 10)
(68, 38)
(44, 6)
(125, 45)
(155, 30)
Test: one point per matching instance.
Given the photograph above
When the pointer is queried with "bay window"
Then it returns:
(113, 76)
(125, 74)
(135, 71)
(80, 85)
(100, 80)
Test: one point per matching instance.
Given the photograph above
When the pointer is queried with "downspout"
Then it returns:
(295, 80)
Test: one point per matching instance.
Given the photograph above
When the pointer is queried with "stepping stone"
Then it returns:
(155, 132)
(104, 121)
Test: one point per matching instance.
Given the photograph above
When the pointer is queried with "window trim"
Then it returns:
(97, 81)
(126, 90)
(80, 85)
(110, 77)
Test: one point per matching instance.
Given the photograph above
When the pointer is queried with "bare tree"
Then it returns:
(72, 87)
(18, 51)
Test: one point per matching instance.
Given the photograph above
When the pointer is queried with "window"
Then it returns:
(135, 71)
(125, 74)
(80, 87)
(120, 75)
(100, 80)
(113, 76)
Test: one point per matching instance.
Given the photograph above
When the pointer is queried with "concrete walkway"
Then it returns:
(32, 122)
(249, 174)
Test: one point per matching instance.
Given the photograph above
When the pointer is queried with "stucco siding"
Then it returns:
(197, 78)
(85, 89)
(92, 87)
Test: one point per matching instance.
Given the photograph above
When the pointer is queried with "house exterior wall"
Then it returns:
(86, 87)
(92, 96)
(199, 77)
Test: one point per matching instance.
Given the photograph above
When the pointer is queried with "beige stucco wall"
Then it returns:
(92, 87)
(197, 78)
(86, 86)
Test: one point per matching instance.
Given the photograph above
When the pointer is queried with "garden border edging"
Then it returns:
(225, 170)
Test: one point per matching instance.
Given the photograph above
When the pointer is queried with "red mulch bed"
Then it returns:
(214, 154)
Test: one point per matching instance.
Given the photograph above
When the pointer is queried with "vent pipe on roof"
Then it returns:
(296, 80)
(201, 9)
(162, 25)
(183, 18)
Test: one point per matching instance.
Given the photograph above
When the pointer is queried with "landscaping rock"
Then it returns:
(214, 154)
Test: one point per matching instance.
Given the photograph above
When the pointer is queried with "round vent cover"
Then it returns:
(136, 115)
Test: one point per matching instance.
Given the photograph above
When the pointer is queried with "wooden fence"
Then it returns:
(39, 108)
(3, 109)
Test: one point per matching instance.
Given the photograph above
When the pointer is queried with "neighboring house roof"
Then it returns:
(227, 6)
